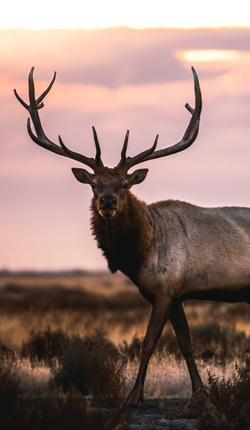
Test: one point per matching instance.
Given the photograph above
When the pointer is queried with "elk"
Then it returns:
(171, 250)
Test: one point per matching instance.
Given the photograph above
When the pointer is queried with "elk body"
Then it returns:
(171, 250)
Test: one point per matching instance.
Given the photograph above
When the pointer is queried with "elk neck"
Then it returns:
(126, 238)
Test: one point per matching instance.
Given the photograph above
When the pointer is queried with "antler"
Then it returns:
(41, 139)
(189, 136)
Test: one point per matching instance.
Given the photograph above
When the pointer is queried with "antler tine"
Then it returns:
(91, 162)
(41, 139)
(123, 161)
(36, 104)
(125, 145)
(187, 140)
(127, 162)
(98, 149)
(192, 128)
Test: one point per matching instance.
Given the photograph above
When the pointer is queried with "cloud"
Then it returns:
(111, 57)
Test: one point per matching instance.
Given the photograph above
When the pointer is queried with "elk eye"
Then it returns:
(93, 185)
(125, 186)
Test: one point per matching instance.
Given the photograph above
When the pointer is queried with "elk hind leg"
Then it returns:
(180, 326)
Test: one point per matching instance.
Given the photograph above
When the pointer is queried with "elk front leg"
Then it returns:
(178, 320)
(156, 323)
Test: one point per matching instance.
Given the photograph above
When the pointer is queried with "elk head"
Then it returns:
(110, 186)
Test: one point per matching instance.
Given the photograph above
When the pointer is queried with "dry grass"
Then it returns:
(74, 306)
(167, 377)
(50, 350)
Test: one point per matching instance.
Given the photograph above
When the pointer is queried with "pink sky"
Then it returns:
(116, 79)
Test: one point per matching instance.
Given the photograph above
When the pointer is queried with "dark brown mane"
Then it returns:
(125, 239)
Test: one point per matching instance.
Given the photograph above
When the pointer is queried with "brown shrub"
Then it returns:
(92, 366)
(9, 389)
(231, 397)
(212, 340)
(45, 345)
(132, 350)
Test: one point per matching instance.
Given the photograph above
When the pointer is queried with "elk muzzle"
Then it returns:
(108, 205)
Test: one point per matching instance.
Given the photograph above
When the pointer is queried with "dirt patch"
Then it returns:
(152, 415)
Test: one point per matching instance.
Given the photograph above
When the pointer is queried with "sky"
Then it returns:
(119, 66)
(133, 13)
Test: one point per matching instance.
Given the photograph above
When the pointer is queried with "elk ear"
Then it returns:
(137, 176)
(83, 175)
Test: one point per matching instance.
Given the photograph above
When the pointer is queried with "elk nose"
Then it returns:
(108, 201)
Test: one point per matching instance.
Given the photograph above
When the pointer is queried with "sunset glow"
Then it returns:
(210, 55)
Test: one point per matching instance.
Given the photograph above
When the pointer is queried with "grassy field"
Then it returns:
(52, 326)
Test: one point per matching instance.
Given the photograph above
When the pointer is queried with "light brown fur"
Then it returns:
(174, 251)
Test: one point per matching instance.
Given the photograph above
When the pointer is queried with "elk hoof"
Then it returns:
(133, 405)
(199, 396)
